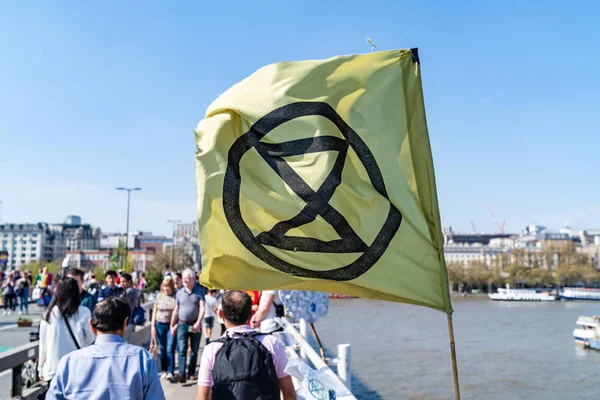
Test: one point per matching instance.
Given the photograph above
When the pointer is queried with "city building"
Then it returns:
(114, 240)
(142, 259)
(531, 243)
(89, 259)
(25, 243)
(46, 242)
(148, 241)
(186, 235)
(78, 236)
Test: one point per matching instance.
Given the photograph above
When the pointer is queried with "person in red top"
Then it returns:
(255, 296)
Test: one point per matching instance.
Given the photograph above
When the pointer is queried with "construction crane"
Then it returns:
(501, 226)
(473, 225)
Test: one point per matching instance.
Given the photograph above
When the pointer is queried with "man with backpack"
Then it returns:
(243, 364)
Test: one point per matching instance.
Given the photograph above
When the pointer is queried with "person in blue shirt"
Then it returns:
(111, 289)
(110, 368)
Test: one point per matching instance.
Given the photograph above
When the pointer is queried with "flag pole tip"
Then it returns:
(414, 52)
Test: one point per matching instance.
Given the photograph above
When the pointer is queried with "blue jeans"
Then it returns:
(24, 300)
(184, 331)
(166, 343)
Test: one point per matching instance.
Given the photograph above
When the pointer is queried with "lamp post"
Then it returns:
(174, 222)
(129, 190)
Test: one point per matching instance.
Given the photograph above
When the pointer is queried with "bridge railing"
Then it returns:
(15, 360)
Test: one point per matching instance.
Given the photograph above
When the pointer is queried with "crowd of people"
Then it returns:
(87, 326)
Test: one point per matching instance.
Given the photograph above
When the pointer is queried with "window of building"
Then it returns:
(33, 255)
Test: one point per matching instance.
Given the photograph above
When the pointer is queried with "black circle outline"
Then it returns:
(232, 187)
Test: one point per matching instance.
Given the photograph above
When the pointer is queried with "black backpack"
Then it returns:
(244, 370)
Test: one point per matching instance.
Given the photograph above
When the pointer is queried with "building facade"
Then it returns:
(186, 235)
(155, 243)
(26, 243)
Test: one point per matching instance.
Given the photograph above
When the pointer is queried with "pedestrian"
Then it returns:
(9, 293)
(211, 304)
(64, 327)
(87, 300)
(111, 368)
(186, 324)
(178, 281)
(161, 321)
(243, 364)
(130, 294)
(22, 291)
(143, 283)
(110, 289)
(93, 287)
(269, 308)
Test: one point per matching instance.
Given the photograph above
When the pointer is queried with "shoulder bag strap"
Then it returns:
(71, 332)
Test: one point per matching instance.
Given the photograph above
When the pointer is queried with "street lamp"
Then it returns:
(129, 190)
(174, 222)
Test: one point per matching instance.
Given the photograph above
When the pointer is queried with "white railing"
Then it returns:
(344, 376)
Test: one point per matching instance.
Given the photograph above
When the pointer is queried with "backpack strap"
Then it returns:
(252, 334)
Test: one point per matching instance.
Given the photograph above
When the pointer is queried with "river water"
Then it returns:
(506, 350)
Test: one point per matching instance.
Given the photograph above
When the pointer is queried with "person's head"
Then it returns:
(126, 280)
(92, 276)
(110, 316)
(189, 279)
(67, 297)
(143, 275)
(168, 286)
(212, 293)
(76, 274)
(45, 270)
(236, 308)
(111, 278)
(178, 280)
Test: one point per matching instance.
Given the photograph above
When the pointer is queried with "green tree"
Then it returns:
(540, 277)
(456, 274)
(154, 278)
(99, 273)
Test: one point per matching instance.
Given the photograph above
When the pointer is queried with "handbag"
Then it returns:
(153, 349)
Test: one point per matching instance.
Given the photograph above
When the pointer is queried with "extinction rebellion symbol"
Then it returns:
(317, 202)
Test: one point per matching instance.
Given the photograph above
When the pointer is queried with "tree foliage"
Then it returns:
(181, 260)
(154, 278)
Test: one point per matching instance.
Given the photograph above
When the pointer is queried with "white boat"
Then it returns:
(579, 294)
(587, 332)
(522, 295)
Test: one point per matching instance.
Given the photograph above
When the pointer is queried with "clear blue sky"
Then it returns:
(95, 95)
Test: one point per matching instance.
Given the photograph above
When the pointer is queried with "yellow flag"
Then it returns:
(317, 175)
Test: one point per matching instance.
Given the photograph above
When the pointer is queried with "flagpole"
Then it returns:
(453, 352)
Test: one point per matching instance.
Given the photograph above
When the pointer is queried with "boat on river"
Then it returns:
(579, 294)
(509, 294)
(587, 332)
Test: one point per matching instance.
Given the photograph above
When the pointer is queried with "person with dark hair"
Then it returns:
(9, 293)
(243, 364)
(110, 289)
(178, 280)
(111, 368)
(130, 294)
(87, 300)
(22, 291)
(64, 327)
